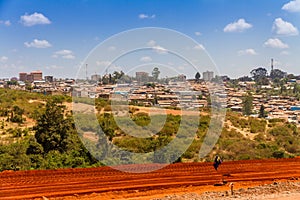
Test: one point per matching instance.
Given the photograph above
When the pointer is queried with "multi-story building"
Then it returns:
(23, 76)
(208, 75)
(37, 75)
(142, 77)
(33, 76)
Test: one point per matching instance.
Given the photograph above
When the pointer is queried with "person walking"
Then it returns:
(217, 162)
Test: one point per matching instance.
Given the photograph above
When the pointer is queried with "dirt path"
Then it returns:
(107, 183)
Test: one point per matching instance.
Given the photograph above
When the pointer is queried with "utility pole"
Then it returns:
(272, 64)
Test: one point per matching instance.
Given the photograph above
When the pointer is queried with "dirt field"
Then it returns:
(107, 183)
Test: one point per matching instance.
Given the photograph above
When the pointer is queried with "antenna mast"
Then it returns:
(272, 64)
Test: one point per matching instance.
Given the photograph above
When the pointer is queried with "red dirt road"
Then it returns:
(66, 182)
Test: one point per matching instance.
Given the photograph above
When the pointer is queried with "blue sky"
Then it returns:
(239, 35)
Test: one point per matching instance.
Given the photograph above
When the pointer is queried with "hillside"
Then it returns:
(38, 132)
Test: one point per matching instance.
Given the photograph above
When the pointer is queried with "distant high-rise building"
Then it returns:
(23, 76)
(29, 78)
(37, 75)
(142, 76)
(33, 76)
(208, 75)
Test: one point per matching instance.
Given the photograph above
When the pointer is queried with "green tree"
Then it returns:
(262, 113)
(282, 86)
(197, 77)
(55, 131)
(260, 76)
(296, 88)
(16, 115)
(155, 73)
(52, 128)
(35, 152)
(247, 104)
(13, 157)
(277, 73)
(105, 79)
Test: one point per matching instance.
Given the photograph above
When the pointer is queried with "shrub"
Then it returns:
(280, 130)
(257, 125)
(142, 119)
(278, 154)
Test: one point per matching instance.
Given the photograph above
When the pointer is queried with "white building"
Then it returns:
(208, 75)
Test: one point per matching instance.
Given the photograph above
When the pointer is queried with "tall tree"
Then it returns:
(55, 131)
(247, 104)
(296, 88)
(262, 113)
(116, 77)
(155, 73)
(53, 128)
(197, 77)
(277, 73)
(260, 76)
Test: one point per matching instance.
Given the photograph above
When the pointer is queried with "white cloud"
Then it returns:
(198, 33)
(5, 23)
(237, 26)
(284, 53)
(145, 16)
(66, 54)
(146, 59)
(282, 27)
(159, 49)
(199, 47)
(151, 43)
(247, 52)
(3, 59)
(38, 44)
(69, 57)
(292, 6)
(275, 43)
(34, 19)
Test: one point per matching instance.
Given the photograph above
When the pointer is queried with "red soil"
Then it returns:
(108, 182)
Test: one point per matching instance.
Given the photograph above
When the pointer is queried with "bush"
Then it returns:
(142, 119)
(276, 120)
(17, 119)
(280, 130)
(257, 125)
(278, 154)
